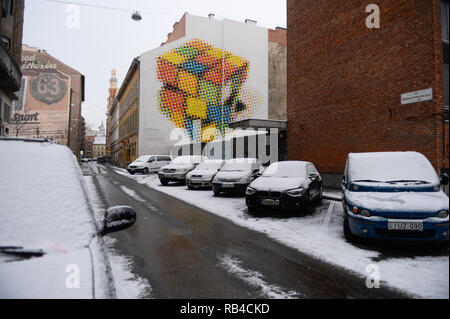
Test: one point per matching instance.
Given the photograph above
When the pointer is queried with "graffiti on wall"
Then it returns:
(202, 89)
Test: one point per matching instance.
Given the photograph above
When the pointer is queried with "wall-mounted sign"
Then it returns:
(26, 118)
(29, 63)
(417, 96)
(48, 88)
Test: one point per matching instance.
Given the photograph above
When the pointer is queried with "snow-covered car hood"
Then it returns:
(137, 164)
(47, 277)
(202, 172)
(232, 175)
(278, 183)
(399, 201)
(178, 166)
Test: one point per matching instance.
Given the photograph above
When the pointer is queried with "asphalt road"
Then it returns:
(181, 250)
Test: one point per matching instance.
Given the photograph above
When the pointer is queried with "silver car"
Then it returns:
(176, 171)
(236, 174)
(204, 173)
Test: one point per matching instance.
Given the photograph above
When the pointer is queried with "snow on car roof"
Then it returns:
(242, 160)
(390, 166)
(42, 198)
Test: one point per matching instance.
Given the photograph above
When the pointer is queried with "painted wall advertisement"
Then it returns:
(42, 109)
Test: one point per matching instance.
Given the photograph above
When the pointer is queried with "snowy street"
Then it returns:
(191, 244)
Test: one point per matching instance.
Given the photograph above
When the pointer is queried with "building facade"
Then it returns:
(49, 104)
(11, 29)
(355, 87)
(114, 132)
(99, 146)
(207, 75)
(128, 105)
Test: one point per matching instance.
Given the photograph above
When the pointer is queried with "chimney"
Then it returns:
(211, 15)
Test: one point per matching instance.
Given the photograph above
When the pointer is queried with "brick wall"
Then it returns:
(345, 80)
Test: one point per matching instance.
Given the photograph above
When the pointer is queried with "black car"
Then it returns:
(287, 185)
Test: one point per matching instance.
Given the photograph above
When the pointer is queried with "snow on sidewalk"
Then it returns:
(320, 235)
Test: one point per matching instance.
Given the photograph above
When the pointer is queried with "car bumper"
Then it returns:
(135, 170)
(172, 177)
(198, 183)
(227, 188)
(377, 228)
(284, 202)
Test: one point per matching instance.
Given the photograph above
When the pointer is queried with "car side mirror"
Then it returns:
(344, 181)
(118, 218)
(313, 175)
(444, 179)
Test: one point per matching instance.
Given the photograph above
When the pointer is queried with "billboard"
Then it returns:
(42, 109)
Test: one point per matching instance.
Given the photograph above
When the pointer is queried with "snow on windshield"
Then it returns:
(209, 165)
(391, 166)
(286, 169)
(238, 164)
(42, 200)
(143, 158)
(187, 160)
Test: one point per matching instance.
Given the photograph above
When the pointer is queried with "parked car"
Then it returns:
(235, 175)
(393, 195)
(148, 163)
(287, 185)
(204, 173)
(176, 171)
(49, 240)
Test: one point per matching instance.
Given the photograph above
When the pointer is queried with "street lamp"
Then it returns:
(136, 16)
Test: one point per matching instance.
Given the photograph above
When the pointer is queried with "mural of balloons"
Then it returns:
(202, 89)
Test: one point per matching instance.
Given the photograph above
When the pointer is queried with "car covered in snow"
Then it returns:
(148, 163)
(393, 195)
(285, 184)
(236, 174)
(51, 245)
(177, 170)
(204, 173)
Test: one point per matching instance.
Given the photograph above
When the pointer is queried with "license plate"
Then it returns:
(270, 202)
(405, 225)
(196, 181)
(227, 185)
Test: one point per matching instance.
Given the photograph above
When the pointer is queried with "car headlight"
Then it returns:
(442, 214)
(206, 178)
(216, 179)
(250, 191)
(245, 179)
(182, 170)
(365, 213)
(296, 192)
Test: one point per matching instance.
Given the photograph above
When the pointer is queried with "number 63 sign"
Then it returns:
(48, 88)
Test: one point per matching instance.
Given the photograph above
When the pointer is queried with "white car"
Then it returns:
(50, 241)
(148, 163)
(204, 173)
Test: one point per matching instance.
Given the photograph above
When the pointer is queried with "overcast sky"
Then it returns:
(110, 39)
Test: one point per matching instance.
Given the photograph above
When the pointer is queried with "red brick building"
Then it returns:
(346, 81)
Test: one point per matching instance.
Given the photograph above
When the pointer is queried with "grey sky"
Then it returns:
(108, 39)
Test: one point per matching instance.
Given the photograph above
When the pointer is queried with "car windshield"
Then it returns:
(43, 202)
(185, 160)
(212, 166)
(143, 158)
(407, 167)
(237, 165)
(286, 170)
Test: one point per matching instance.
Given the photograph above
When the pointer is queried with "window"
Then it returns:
(444, 13)
(7, 113)
(7, 7)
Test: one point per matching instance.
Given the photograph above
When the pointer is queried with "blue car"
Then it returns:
(393, 195)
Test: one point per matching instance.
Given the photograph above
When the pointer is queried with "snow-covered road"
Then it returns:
(422, 273)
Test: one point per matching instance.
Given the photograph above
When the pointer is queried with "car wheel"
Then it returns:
(190, 187)
(132, 173)
(320, 196)
(146, 171)
(251, 209)
(216, 193)
(164, 182)
(349, 236)
(306, 204)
